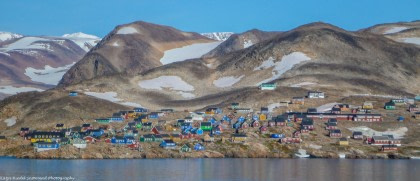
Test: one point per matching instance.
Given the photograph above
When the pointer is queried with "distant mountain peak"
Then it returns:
(219, 36)
(80, 35)
(8, 36)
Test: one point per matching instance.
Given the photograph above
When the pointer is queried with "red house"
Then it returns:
(23, 131)
(335, 133)
(386, 148)
(413, 108)
(256, 124)
(89, 139)
(271, 123)
(289, 140)
(367, 117)
(263, 129)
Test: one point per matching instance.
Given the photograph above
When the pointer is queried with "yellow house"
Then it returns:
(175, 138)
(144, 120)
(263, 117)
(367, 105)
(2, 138)
(343, 142)
(238, 138)
(46, 136)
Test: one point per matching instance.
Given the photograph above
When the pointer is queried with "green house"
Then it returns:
(417, 98)
(390, 106)
(146, 138)
(102, 120)
(398, 101)
(185, 148)
(139, 125)
(157, 138)
(268, 86)
(235, 105)
(206, 126)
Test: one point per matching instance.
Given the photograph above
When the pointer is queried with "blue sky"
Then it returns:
(98, 17)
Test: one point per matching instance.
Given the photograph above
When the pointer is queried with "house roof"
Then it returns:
(357, 133)
(335, 131)
(205, 123)
(239, 135)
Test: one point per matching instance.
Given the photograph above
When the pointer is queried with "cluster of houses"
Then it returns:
(198, 128)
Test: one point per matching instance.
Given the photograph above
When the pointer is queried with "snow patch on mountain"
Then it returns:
(412, 40)
(11, 90)
(48, 75)
(84, 41)
(219, 36)
(9, 36)
(303, 84)
(10, 121)
(287, 62)
(169, 82)
(248, 43)
(227, 81)
(127, 30)
(27, 43)
(188, 52)
(395, 30)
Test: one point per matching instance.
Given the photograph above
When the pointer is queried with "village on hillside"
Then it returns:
(181, 131)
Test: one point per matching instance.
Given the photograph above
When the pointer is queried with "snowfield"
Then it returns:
(48, 75)
(395, 30)
(11, 121)
(326, 107)
(188, 52)
(248, 43)
(303, 84)
(272, 106)
(397, 133)
(227, 81)
(287, 62)
(27, 43)
(170, 82)
(112, 97)
(8, 36)
(173, 83)
(127, 30)
(14, 90)
(413, 40)
(83, 40)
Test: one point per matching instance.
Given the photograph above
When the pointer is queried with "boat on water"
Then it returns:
(415, 157)
(302, 154)
(341, 155)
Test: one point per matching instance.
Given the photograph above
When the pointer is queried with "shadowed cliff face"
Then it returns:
(130, 49)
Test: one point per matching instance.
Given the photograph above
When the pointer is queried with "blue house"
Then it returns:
(44, 146)
(73, 94)
(197, 131)
(139, 109)
(97, 132)
(153, 116)
(168, 144)
(186, 126)
(116, 119)
(198, 147)
(123, 140)
(237, 125)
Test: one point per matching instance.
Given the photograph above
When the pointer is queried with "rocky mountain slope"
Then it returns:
(219, 36)
(35, 63)
(131, 48)
(406, 32)
(316, 56)
(240, 41)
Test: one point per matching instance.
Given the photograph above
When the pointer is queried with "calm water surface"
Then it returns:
(214, 169)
